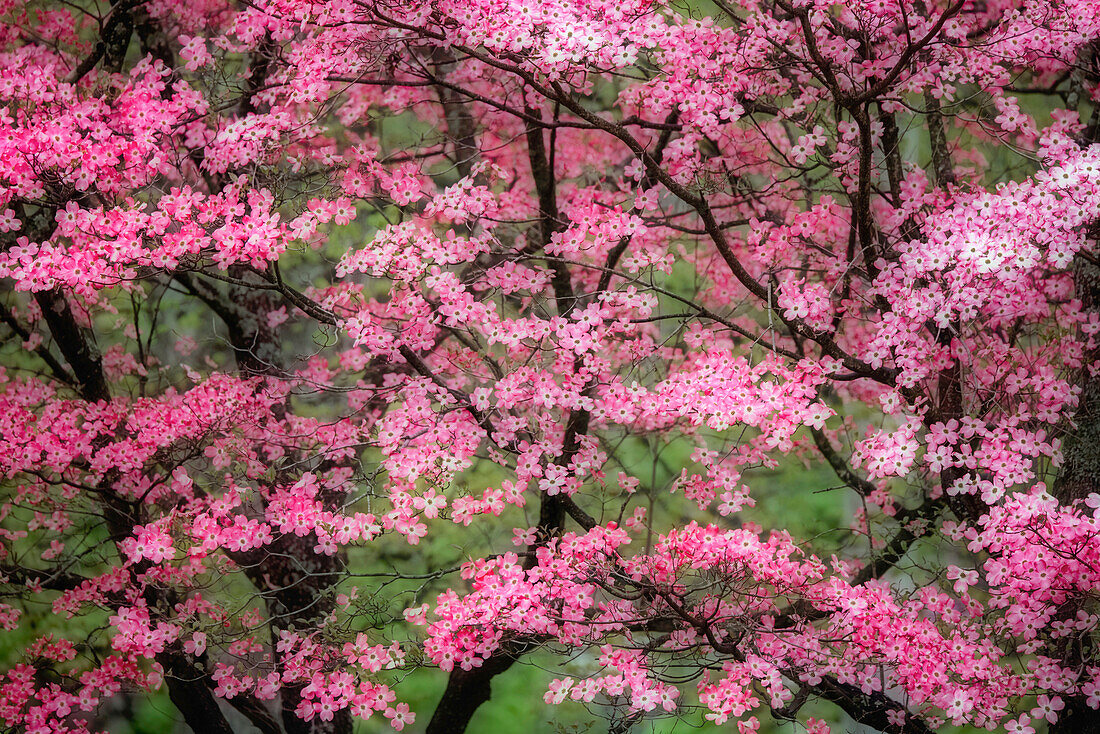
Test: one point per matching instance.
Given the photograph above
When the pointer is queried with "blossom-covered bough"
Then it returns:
(293, 290)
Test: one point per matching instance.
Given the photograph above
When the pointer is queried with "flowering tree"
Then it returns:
(292, 286)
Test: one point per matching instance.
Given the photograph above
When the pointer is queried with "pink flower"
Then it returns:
(399, 716)
(1047, 708)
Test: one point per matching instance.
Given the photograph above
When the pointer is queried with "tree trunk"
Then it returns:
(1080, 476)
(468, 689)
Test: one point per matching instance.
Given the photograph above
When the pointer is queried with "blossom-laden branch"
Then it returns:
(346, 338)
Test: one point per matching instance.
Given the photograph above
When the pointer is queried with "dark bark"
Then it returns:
(868, 709)
(76, 345)
(468, 689)
(259, 68)
(255, 711)
(461, 125)
(542, 171)
(114, 39)
(1080, 474)
(937, 137)
(1079, 477)
(242, 311)
(190, 694)
(861, 200)
(294, 580)
(1076, 718)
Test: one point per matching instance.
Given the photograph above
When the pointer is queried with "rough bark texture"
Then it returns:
(1080, 476)
(468, 689)
(190, 694)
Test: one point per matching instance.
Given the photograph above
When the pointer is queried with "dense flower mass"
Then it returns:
(344, 338)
